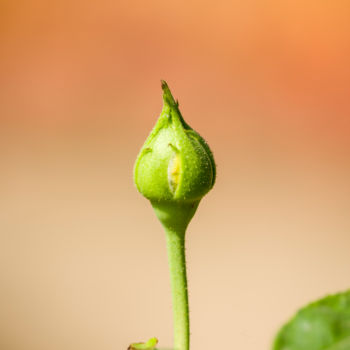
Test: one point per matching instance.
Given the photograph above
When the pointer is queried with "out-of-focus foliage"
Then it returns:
(322, 325)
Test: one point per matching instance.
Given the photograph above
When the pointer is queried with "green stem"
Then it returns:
(177, 265)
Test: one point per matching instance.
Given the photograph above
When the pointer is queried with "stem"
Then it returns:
(175, 217)
(178, 279)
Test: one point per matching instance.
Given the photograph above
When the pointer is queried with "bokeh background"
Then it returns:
(82, 257)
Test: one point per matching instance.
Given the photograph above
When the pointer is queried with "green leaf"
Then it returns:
(322, 325)
(150, 345)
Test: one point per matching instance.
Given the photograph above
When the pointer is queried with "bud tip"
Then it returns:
(167, 95)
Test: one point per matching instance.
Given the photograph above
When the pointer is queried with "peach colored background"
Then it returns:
(82, 257)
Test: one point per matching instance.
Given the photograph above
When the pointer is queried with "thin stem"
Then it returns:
(178, 279)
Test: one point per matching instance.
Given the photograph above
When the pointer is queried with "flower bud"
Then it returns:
(175, 167)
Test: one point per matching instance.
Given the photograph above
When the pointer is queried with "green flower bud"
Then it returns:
(175, 167)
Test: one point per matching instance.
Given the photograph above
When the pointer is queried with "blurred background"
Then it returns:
(82, 257)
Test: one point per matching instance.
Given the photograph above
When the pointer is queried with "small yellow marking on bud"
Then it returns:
(174, 172)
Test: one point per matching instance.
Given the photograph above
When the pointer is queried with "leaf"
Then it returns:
(341, 345)
(150, 345)
(321, 325)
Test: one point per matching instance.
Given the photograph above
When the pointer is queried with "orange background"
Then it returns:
(82, 257)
